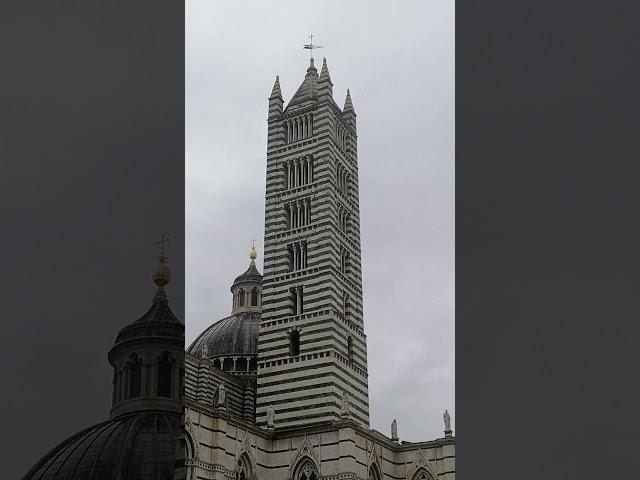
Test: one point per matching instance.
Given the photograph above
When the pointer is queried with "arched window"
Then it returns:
(135, 376)
(294, 343)
(243, 468)
(241, 297)
(346, 306)
(254, 297)
(164, 376)
(307, 472)
(350, 348)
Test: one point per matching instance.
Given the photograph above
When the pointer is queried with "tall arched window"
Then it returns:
(241, 297)
(294, 343)
(135, 376)
(254, 297)
(164, 376)
(350, 348)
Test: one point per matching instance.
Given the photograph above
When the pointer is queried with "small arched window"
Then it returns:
(294, 343)
(164, 376)
(254, 297)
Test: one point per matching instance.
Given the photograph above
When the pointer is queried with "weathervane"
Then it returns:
(311, 46)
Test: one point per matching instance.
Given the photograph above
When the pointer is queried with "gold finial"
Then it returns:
(253, 254)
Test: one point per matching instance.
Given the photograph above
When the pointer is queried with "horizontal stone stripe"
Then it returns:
(307, 402)
(278, 375)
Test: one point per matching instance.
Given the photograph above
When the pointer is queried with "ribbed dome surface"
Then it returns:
(252, 275)
(234, 335)
(133, 447)
(159, 320)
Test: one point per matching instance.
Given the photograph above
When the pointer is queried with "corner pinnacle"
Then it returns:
(348, 105)
(275, 92)
(324, 72)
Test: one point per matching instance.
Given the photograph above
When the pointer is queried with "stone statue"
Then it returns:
(394, 430)
(270, 417)
(345, 403)
(447, 421)
(203, 351)
(221, 396)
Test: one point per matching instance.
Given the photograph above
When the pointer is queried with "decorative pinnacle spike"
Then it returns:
(348, 105)
(275, 92)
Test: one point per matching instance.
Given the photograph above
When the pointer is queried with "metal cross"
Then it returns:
(253, 242)
(311, 46)
(161, 242)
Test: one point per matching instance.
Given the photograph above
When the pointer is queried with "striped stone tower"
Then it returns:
(312, 354)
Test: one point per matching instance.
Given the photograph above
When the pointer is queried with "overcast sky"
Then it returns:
(398, 61)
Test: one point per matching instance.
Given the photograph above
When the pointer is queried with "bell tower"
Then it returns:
(311, 342)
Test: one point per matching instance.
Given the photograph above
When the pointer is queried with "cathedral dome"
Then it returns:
(236, 335)
(139, 446)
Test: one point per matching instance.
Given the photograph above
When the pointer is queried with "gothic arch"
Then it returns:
(422, 474)
(374, 472)
(190, 453)
(306, 469)
(422, 469)
(244, 468)
(190, 444)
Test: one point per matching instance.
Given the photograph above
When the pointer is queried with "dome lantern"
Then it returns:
(148, 354)
(247, 288)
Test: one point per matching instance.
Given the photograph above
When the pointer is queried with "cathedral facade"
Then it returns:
(278, 390)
